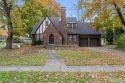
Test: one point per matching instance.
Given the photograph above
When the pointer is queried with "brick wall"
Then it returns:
(63, 26)
(73, 43)
(57, 36)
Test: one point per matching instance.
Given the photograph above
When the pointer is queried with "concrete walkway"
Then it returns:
(55, 64)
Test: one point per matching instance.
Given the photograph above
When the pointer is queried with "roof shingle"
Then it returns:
(83, 28)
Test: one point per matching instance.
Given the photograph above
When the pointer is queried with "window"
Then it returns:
(47, 23)
(71, 25)
(72, 37)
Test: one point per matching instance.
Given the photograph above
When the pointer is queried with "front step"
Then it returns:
(50, 46)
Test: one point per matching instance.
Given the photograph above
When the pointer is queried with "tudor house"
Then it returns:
(64, 30)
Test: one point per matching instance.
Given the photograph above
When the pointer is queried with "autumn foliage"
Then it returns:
(31, 12)
(104, 13)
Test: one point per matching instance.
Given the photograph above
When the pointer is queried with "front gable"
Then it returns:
(51, 30)
(43, 25)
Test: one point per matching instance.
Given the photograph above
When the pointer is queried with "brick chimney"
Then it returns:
(63, 16)
(63, 25)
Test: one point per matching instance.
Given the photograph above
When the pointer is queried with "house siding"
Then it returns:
(39, 36)
(43, 26)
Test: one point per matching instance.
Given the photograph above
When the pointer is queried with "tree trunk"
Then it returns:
(10, 36)
(6, 5)
(120, 14)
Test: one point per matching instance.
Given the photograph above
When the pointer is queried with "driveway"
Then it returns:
(103, 49)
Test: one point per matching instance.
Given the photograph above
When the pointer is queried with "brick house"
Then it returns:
(65, 31)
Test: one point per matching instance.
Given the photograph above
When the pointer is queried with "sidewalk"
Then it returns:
(55, 64)
(63, 69)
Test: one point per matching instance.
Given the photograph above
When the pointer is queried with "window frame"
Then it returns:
(47, 23)
(72, 25)
(72, 38)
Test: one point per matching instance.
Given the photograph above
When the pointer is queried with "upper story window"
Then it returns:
(47, 23)
(72, 25)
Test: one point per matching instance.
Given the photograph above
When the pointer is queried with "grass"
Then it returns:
(84, 57)
(24, 56)
(61, 77)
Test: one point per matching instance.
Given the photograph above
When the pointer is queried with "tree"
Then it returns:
(105, 8)
(79, 10)
(5, 8)
(20, 19)
(53, 8)
(31, 12)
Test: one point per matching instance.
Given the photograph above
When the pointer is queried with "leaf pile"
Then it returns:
(85, 57)
(23, 56)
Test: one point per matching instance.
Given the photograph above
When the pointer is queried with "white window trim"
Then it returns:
(67, 25)
(72, 25)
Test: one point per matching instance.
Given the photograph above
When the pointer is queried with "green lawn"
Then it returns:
(83, 57)
(60, 77)
(23, 56)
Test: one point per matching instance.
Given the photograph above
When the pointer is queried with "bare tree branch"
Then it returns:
(3, 12)
(1, 4)
(10, 7)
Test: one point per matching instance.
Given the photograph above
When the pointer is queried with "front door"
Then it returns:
(51, 39)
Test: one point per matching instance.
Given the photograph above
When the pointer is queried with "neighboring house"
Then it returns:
(65, 31)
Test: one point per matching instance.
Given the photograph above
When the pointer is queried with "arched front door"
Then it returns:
(51, 39)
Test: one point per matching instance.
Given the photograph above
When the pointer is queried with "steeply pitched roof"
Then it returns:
(83, 28)
(37, 26)
(55, 21)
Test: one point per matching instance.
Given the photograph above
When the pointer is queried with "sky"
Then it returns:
(65, 3)
(68, 4)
